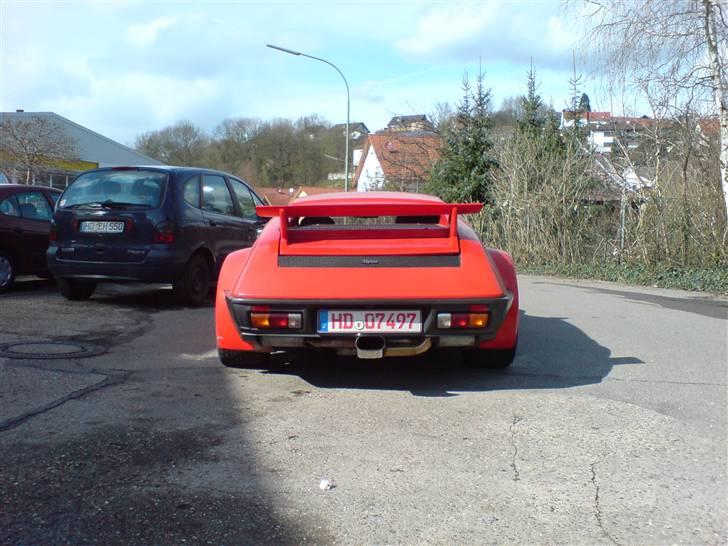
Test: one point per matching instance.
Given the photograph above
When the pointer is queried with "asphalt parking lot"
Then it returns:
(119, 425)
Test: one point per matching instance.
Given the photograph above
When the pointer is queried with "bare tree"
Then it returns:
(180, 144)
(32, 143)
(667, 48)
(442, 116)
(238, 130)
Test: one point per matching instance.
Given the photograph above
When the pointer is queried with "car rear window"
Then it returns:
(369, 222)
(9, 206)
(131, 188)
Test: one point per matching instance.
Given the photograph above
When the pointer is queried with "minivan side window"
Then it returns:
(191, 191)
(258, 201)
(216, 195)
(244, 198)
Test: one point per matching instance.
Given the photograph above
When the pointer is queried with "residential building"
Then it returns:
(358, 133)
(397, 160)
(605, 131)
(417, 122)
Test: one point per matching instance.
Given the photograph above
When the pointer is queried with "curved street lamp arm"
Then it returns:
(348, 101)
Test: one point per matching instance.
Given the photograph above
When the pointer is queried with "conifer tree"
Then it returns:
(584, 104)
(464, 171)
(532, 119)
(538, 122)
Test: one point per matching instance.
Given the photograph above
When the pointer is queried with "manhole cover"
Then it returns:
(50, 350)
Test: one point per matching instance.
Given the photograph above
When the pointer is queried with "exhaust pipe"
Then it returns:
(369, 347)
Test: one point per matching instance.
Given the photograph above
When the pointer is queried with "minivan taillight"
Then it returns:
(53, 233)
(164, 233)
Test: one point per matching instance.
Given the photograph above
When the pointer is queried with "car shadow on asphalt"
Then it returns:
(26, 284)
(145, 297)
(552, 354)
(97, 451)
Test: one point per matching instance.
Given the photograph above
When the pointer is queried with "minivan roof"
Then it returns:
(162, 168)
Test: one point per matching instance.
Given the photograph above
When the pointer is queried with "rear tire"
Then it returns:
(490, 359)
(76, 290)
(7, 272)
(243, 359)
(193, 287)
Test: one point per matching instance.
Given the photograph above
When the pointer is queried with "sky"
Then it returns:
(126, 68)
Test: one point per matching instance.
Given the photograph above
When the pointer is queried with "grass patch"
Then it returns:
(713, 280)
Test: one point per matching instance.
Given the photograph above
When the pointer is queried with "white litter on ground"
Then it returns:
(325, 485)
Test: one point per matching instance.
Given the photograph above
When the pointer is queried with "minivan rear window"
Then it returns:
(128, 188)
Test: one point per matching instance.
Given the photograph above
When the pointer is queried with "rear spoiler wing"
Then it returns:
(366, 209)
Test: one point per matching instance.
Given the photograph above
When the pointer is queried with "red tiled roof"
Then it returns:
(589, 116)
(403, 157)
(709, 126)
(313, 190)
(642, 122)
(281, 196)
(599, 116)
(274, 196)
(607, 117)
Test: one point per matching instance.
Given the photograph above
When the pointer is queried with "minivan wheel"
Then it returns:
(7, 272)
(193, 286)
(76, 290)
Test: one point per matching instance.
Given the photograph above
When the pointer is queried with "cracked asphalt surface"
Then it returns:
(610, 428)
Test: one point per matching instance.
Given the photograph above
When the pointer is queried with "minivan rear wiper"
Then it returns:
(90, 205)
(108, 204)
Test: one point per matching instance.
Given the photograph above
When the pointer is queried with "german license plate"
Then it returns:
(94, 226)
(358, 321)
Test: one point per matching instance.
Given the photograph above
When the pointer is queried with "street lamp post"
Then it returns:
(348, 102)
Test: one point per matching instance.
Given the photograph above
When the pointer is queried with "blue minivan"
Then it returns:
(150, 224)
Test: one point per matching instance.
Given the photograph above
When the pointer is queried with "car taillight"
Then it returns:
(275, 320)
(477, 317)
(164, 233)
(53, 233)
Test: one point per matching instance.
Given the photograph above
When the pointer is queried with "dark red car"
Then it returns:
(25, 217)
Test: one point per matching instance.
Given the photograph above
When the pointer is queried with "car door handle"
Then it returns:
(212, 223)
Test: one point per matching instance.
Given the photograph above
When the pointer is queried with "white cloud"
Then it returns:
(126, 105)
(558, 36)
(448, 27)
(145, 34)
(494, 31)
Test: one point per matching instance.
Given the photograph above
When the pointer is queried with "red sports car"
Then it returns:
(370, 274)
